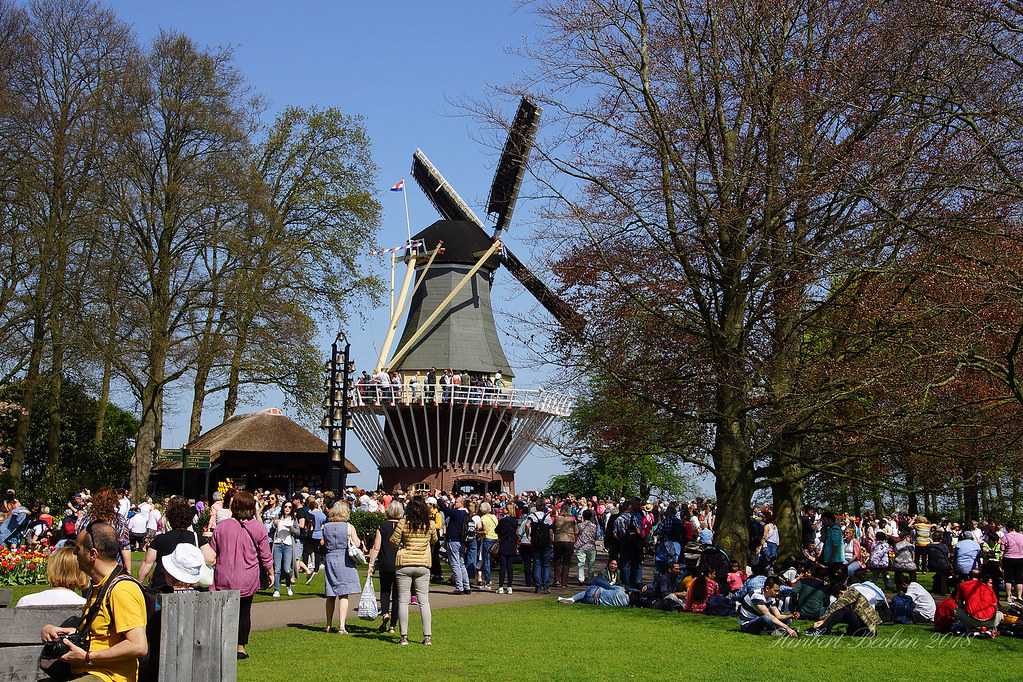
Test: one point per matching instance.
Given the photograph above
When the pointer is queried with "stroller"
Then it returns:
(711, 559)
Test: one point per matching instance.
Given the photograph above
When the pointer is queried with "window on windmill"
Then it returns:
(471, 439)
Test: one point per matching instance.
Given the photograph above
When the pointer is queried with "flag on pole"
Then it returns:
(399, 186)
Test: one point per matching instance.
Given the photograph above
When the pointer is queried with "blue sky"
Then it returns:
(400, 65)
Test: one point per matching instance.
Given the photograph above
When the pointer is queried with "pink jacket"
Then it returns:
(237, 565)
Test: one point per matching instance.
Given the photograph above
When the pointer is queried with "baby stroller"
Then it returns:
(709, 558)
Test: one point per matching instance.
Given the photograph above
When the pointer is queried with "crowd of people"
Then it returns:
(852, 571)
(447, 386)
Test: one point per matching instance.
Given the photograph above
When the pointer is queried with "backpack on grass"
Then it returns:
(902, 609)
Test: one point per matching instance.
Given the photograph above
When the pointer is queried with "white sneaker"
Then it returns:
(291, 593)
(565, 600)
(500, 590)
(507, 590)
(277, 594)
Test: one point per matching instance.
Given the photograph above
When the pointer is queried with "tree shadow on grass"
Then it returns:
(354, 630)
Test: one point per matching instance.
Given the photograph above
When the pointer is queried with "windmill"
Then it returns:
(470, 435)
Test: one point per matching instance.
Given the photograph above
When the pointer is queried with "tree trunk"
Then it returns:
(202, 373)
(53, 432)
(787, 494)
(788, 503)
(1015, 495)
(29, 386)
(104, 391)
(971, 509)
(911, 502)
(927, 504)
(148, 440)
(234, 376)
(733, 487)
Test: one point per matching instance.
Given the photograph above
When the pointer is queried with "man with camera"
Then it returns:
(112, 636)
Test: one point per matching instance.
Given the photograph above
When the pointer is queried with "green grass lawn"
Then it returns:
(541, 639)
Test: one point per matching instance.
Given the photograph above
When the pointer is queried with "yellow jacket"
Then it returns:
(414, 545)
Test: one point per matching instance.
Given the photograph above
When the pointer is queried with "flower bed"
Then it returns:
(20, 566)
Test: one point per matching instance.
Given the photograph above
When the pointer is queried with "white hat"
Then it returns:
(790, 575)
(186, 564)
(431, 500)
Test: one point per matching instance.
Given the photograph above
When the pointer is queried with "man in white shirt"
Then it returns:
(137, 529)
(923, 603)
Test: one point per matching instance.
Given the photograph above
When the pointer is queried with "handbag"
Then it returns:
(354, 551)
(266, 579)
(368, 607)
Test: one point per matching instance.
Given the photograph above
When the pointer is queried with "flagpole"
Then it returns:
(392, 286)
(408, 223)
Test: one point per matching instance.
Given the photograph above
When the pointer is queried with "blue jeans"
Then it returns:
(632, 570)
(282, 564)
(458, 565)
(758, 626)
(542, 568)
(471, 552)
(487, 544)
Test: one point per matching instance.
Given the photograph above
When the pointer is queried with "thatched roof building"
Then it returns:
(259, 449)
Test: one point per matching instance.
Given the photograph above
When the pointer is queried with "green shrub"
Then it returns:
(366, 524)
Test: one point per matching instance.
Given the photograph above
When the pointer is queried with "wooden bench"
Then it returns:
(198, 636)
(19, 639)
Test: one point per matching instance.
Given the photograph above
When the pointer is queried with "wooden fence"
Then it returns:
(198, 636)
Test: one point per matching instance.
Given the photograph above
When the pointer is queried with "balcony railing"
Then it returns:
(507, 397)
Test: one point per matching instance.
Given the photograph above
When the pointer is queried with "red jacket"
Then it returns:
(977, 599)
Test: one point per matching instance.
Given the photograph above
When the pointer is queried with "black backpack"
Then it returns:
(539, 533)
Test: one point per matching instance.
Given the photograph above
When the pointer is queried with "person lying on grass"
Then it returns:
(758, 611)
(600, 593)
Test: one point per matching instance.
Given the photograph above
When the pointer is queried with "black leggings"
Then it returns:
(244, 619)
(855, 627)
(506, 570)
(389, 595)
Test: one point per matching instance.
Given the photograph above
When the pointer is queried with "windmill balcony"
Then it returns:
(553, 403)
(453, 436)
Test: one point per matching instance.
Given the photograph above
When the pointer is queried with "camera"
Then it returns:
(59, 647)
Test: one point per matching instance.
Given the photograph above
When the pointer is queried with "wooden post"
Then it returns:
(425, 326)
(396, 310)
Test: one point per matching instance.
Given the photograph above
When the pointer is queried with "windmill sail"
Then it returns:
(439, 191)
(562, 312)
(452, 207)
(512, 167)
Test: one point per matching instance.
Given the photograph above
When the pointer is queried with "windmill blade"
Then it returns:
(504, 191)
(452, 207)
(439, 191)
(572, 321)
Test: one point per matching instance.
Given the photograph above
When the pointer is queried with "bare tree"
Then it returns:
(726, 173)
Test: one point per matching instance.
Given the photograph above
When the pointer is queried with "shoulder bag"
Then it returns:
(354, 551)
(266, 579)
